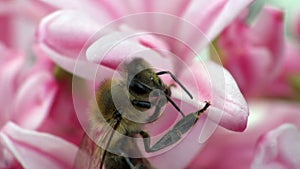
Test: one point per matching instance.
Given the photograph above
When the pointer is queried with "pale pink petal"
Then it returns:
(117, 47)
(279, 148)
(34, 99)
(66, 124)
(62, 35)
(111, 51)
(80, 6)
(119, 8)
(241, 66)
(268, 31)
(36, 150)
(255, 46)
(66, 32)
(208, 81)
(28, 10)
(202, 21)
(132, 6)
(264, 116)
(282, 86)
(9, 73)
(22, 17)
(214, 16)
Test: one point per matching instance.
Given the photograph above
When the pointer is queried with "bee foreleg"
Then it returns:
(175, 134)
(129, 162)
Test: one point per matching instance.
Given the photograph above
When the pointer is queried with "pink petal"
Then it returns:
(264, 117)
(6, 29)
(66, 32)
(268, 31)
(255, 46)
(117, 47)
(36, 150)
(279, 148)
(63, 41)
(66, 124)
(9, 73)
(281, 87)
(214, 16)
(34, 100)
(211, 82)
(80, 6)
(119, 8)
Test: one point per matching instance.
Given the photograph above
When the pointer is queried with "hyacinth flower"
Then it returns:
(77, 40)
(36, 110)
(263, 40)
(251, 146)
(273, 123)
(18, 20)
(274, 149)
(32, 96)
(287, 84)
(27, 95)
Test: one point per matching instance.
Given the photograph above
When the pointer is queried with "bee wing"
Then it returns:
(90, 155)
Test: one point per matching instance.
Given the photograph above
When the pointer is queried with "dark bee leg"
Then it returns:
(118, 118)
(129, 162)
(140, 164)
(174, 135)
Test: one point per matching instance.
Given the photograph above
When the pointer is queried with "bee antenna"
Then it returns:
(175, 105)
(168, 98)
(176, 80)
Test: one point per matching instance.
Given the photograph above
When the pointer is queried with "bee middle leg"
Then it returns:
(147, 105)
(175, 134)
(140, 163)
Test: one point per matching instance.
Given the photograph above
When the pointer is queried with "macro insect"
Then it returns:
(122, 104)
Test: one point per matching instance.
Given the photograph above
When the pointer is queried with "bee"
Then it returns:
(122, 105)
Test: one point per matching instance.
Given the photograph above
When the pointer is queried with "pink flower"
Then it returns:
(62, 119)
(287, 84)
(63, 41)
(26, 93)
(26, 97)
(34, 150)
(64, 36)
(18, 20)
(246, 149)
(254, 53)
(278, 149)
(31, 97)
